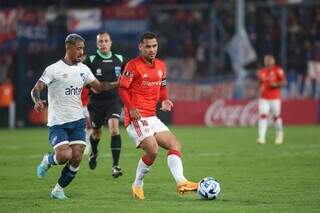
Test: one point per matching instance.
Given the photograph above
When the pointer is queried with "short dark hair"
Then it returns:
(147, 35)
(73, 38)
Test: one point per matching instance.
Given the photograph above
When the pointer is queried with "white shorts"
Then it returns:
(145, 127)
(85, 111)
(270, 106)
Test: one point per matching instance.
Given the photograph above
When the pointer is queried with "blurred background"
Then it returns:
(213, 50)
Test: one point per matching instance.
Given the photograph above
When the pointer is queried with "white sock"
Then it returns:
(278, 125)
(57, 188)
(263, 125)
(88, 133)
(176, 167)
(142, 170)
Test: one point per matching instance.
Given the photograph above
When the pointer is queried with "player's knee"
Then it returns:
(64, 155)
(175, 145)
(263, 116)
(114, 131)
(152, 154)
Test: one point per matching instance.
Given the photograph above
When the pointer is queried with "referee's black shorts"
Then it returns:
(101, 111)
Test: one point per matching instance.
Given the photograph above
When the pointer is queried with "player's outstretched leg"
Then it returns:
(143, 168)
(115, 151)
(48, 160)
(176, 168)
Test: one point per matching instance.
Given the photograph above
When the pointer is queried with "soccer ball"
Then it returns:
(208, 188)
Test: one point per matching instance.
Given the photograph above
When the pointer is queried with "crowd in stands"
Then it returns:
(186, 32)
(190, 36)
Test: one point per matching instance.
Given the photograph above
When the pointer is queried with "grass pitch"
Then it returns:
(254, 178)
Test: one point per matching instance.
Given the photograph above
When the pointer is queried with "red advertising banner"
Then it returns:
(240, 113)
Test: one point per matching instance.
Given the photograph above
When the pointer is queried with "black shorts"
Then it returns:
(100, 112)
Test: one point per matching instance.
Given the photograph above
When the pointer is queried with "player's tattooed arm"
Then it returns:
(35, 95)
(109, 85)
(103, 86)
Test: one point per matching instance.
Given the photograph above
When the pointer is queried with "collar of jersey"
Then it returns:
(104, 56)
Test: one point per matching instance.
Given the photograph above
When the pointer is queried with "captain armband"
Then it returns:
(164, 82)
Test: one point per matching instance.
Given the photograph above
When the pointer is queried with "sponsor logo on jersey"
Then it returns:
(98, 72)
(72, 91)
(150, 83)
(145, 75)
(65, 75)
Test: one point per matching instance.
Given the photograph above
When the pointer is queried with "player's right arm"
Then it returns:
(124, 85)
(35, 95)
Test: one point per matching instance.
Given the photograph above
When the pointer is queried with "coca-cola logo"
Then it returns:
(232, 114)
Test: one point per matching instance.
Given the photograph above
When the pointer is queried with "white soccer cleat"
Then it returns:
(279, 138)
(261, 141)
(59, 195)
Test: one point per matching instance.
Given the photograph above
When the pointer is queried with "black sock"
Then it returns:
(94, 145)
(66, 176)
(115, 149)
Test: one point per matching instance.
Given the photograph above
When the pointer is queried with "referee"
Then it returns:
(105, 107)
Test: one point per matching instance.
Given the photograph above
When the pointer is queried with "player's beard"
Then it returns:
(77, 60)
(150, 58)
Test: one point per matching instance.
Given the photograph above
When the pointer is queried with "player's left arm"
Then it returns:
(166, 103)
(103, 86)
(97, 85)
(282, 80)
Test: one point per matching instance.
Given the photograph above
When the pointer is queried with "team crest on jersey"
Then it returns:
(98, 71)
(117, 71)
(82, 76)
(160, 73)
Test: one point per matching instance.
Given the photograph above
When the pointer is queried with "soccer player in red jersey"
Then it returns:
(142, 85)
(271, 78)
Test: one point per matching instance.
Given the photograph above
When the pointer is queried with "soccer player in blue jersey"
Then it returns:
(65, 80)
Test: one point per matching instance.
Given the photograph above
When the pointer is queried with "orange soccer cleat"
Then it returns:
(137, 192)
(187, 186)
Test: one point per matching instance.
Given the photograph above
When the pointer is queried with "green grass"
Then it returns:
(254, 178)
